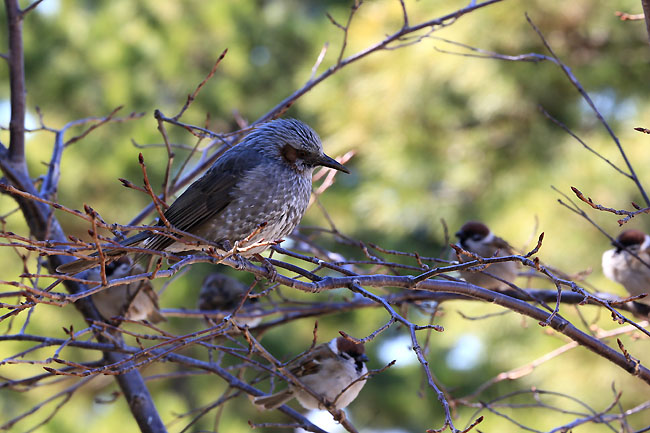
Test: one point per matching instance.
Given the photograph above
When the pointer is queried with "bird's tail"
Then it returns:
(77, 266)
(273, 401)
(111, 253)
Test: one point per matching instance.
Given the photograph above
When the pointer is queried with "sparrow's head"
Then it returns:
(472, 231)
(118, 268)
(292, 142)
(221, 292)
(350, 351)
(631, 239)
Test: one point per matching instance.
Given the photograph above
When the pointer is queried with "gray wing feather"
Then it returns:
(209, 195)
(203, 200)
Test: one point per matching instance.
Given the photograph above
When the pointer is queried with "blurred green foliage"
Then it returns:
(436, 135)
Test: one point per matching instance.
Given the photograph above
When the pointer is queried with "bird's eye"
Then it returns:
(302, 154)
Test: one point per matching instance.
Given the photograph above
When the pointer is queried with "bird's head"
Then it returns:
(632, 239)
(350, 351)
(221, 292)
(472, 232)
(295, 143)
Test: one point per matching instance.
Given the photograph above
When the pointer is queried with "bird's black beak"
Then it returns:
(363, 358)
(326, 161)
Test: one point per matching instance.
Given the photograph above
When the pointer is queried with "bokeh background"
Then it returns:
(437, 137)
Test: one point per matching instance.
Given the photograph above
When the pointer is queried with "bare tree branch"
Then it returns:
(646, 13)
(574, 81)
(16, 155)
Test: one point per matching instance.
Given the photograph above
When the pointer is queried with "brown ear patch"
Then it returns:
(307, 368)
(289, 153)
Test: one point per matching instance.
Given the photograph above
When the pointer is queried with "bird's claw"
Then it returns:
(240, 262)
(273, 273)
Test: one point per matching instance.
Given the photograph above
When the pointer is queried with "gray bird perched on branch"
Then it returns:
(477, 238)
(252, 196)
(621, 266)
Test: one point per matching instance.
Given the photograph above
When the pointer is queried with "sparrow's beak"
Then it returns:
(326, 161)
(362, 358)
(460, 235)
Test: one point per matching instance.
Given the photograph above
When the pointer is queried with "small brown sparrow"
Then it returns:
(622, 267)
(477, 238)
(330, 370)
(134, 301)
(223, 293)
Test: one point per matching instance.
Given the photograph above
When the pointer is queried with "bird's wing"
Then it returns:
(503, 246)
(312, 362)
(204, 199)
(209, 195)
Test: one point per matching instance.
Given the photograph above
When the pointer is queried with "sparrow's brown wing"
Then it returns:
(311, 363)
(503, 246)
(209, 195)
(153, 313)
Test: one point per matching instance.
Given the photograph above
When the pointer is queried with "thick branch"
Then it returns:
(17, 83)
(138, 397)
(41, 221)
(556, 322)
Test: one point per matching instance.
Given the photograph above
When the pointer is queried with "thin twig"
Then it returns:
(587, 98)
(193, 95)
